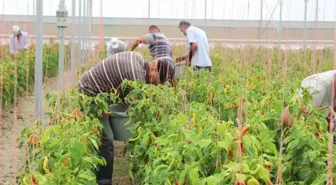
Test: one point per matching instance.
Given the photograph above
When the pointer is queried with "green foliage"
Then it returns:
(25, 70)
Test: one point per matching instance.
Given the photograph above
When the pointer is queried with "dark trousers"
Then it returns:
(106, 150)
(196, 68)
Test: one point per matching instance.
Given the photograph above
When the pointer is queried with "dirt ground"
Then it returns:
(11, 156)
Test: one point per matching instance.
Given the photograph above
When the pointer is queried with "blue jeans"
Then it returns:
(196, 68)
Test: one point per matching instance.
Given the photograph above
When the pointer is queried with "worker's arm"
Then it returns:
(181, 58)
(138, 41)
(192, 51)
(318, 92)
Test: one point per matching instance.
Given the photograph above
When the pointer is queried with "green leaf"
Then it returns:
(87, 159)
(204, 143)
(313, 143)
(87, 175)
(182, 176)
(240, 177)
(312, 155)
(263, 173)
(211, 180)
(194, 176)
(245, 167)
(227, 141)
(94, 143)
(222, 129)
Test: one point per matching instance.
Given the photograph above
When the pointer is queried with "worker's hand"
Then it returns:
(179, 59)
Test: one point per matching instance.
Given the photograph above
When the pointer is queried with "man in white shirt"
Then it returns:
(18, 41)
(115, 46)
(197, 43)
(322, 87)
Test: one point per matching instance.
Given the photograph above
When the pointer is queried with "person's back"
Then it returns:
(202, 55)
(109, 74)
(322, 84)
(159, 45)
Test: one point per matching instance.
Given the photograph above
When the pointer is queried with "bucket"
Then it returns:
(179, 69)
(118, 119)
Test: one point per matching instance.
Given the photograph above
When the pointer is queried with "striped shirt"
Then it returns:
(159, 46)
(109, 74)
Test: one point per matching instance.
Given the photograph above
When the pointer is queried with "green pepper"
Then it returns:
(171, 164)
(253, 181)
(254, 172)
(138, 137)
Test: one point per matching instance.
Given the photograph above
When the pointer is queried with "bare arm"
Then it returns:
(137, 42)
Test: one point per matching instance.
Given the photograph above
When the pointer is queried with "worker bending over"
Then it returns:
(109, 74)
(322, 87)
(18, 41)
(115, 46)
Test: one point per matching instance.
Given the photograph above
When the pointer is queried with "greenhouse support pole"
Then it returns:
(149, 8)
(280, 25)
(305, 26)
(62, 23)
(79, 49)
(38, 60)
(73, 41)
(90, 25)
(261, 16)
(205, 13)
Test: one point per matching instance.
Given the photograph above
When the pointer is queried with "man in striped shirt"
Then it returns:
(108, 75)
(159, 45)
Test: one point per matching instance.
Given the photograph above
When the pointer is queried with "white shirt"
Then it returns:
(16, 45)
(202, 56)
(320, 86)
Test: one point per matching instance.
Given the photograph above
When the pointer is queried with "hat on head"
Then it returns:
(114, 43)
(16, 30)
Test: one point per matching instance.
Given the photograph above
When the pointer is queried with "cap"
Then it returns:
(16, 30)
(114, 43)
